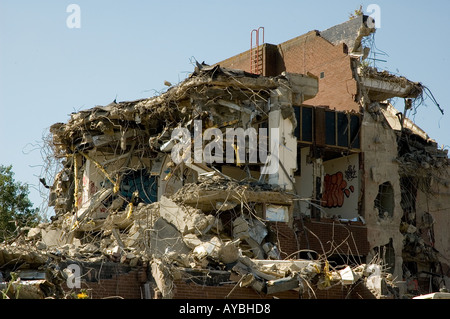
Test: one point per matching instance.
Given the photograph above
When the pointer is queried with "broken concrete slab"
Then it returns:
(53, 237)
(229, 252)
(161, 274)
(206, 194)
(192, 241)
(252, 232)
(282, 284)
(252, 228)
(185, 219)
(34, 233)
(271, 251)
(240, 228)
(210, 248)
(165, 237)
(434, 295)
(284, 266)
(347, 276)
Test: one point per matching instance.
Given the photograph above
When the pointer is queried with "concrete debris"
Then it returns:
(434, 295)
(210, 248)
(185, 219)
(347, 276)
(34, 233)
(229, 252)
(165, 237)
(163, 278)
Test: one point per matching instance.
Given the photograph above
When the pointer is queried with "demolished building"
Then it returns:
(357, 207)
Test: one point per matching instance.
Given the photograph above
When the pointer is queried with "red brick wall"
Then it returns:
(128, 284)
(311, 53)
(238, 62)
(272, 61)
(305, 54)
(187, 290)
(125, 285)
(350, 238)
(357, 291)
(331, 235)
(184, 290)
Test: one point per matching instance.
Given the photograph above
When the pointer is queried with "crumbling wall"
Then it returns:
(379, 145)
(438, 206)
(351, 33)
(412, 189)
(426, 237)
(403, 187)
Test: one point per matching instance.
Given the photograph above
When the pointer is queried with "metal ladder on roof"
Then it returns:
(256, 51)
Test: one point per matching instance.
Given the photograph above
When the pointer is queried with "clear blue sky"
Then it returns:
(126, 49)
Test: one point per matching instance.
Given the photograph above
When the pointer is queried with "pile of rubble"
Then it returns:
(174, 239)
(418, 156)
(120, 197)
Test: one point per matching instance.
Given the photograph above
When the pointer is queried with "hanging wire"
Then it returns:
(431, 96)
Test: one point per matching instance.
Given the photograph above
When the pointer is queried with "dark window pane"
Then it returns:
(297, 118)
(330, 124)
(354, 131)
(342, 122)
(298, 172)
(307, 120)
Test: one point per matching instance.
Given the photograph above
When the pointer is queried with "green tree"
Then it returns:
(16, 210)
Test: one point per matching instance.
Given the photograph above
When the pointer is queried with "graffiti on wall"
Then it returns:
(351, 173)
(335, 190)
